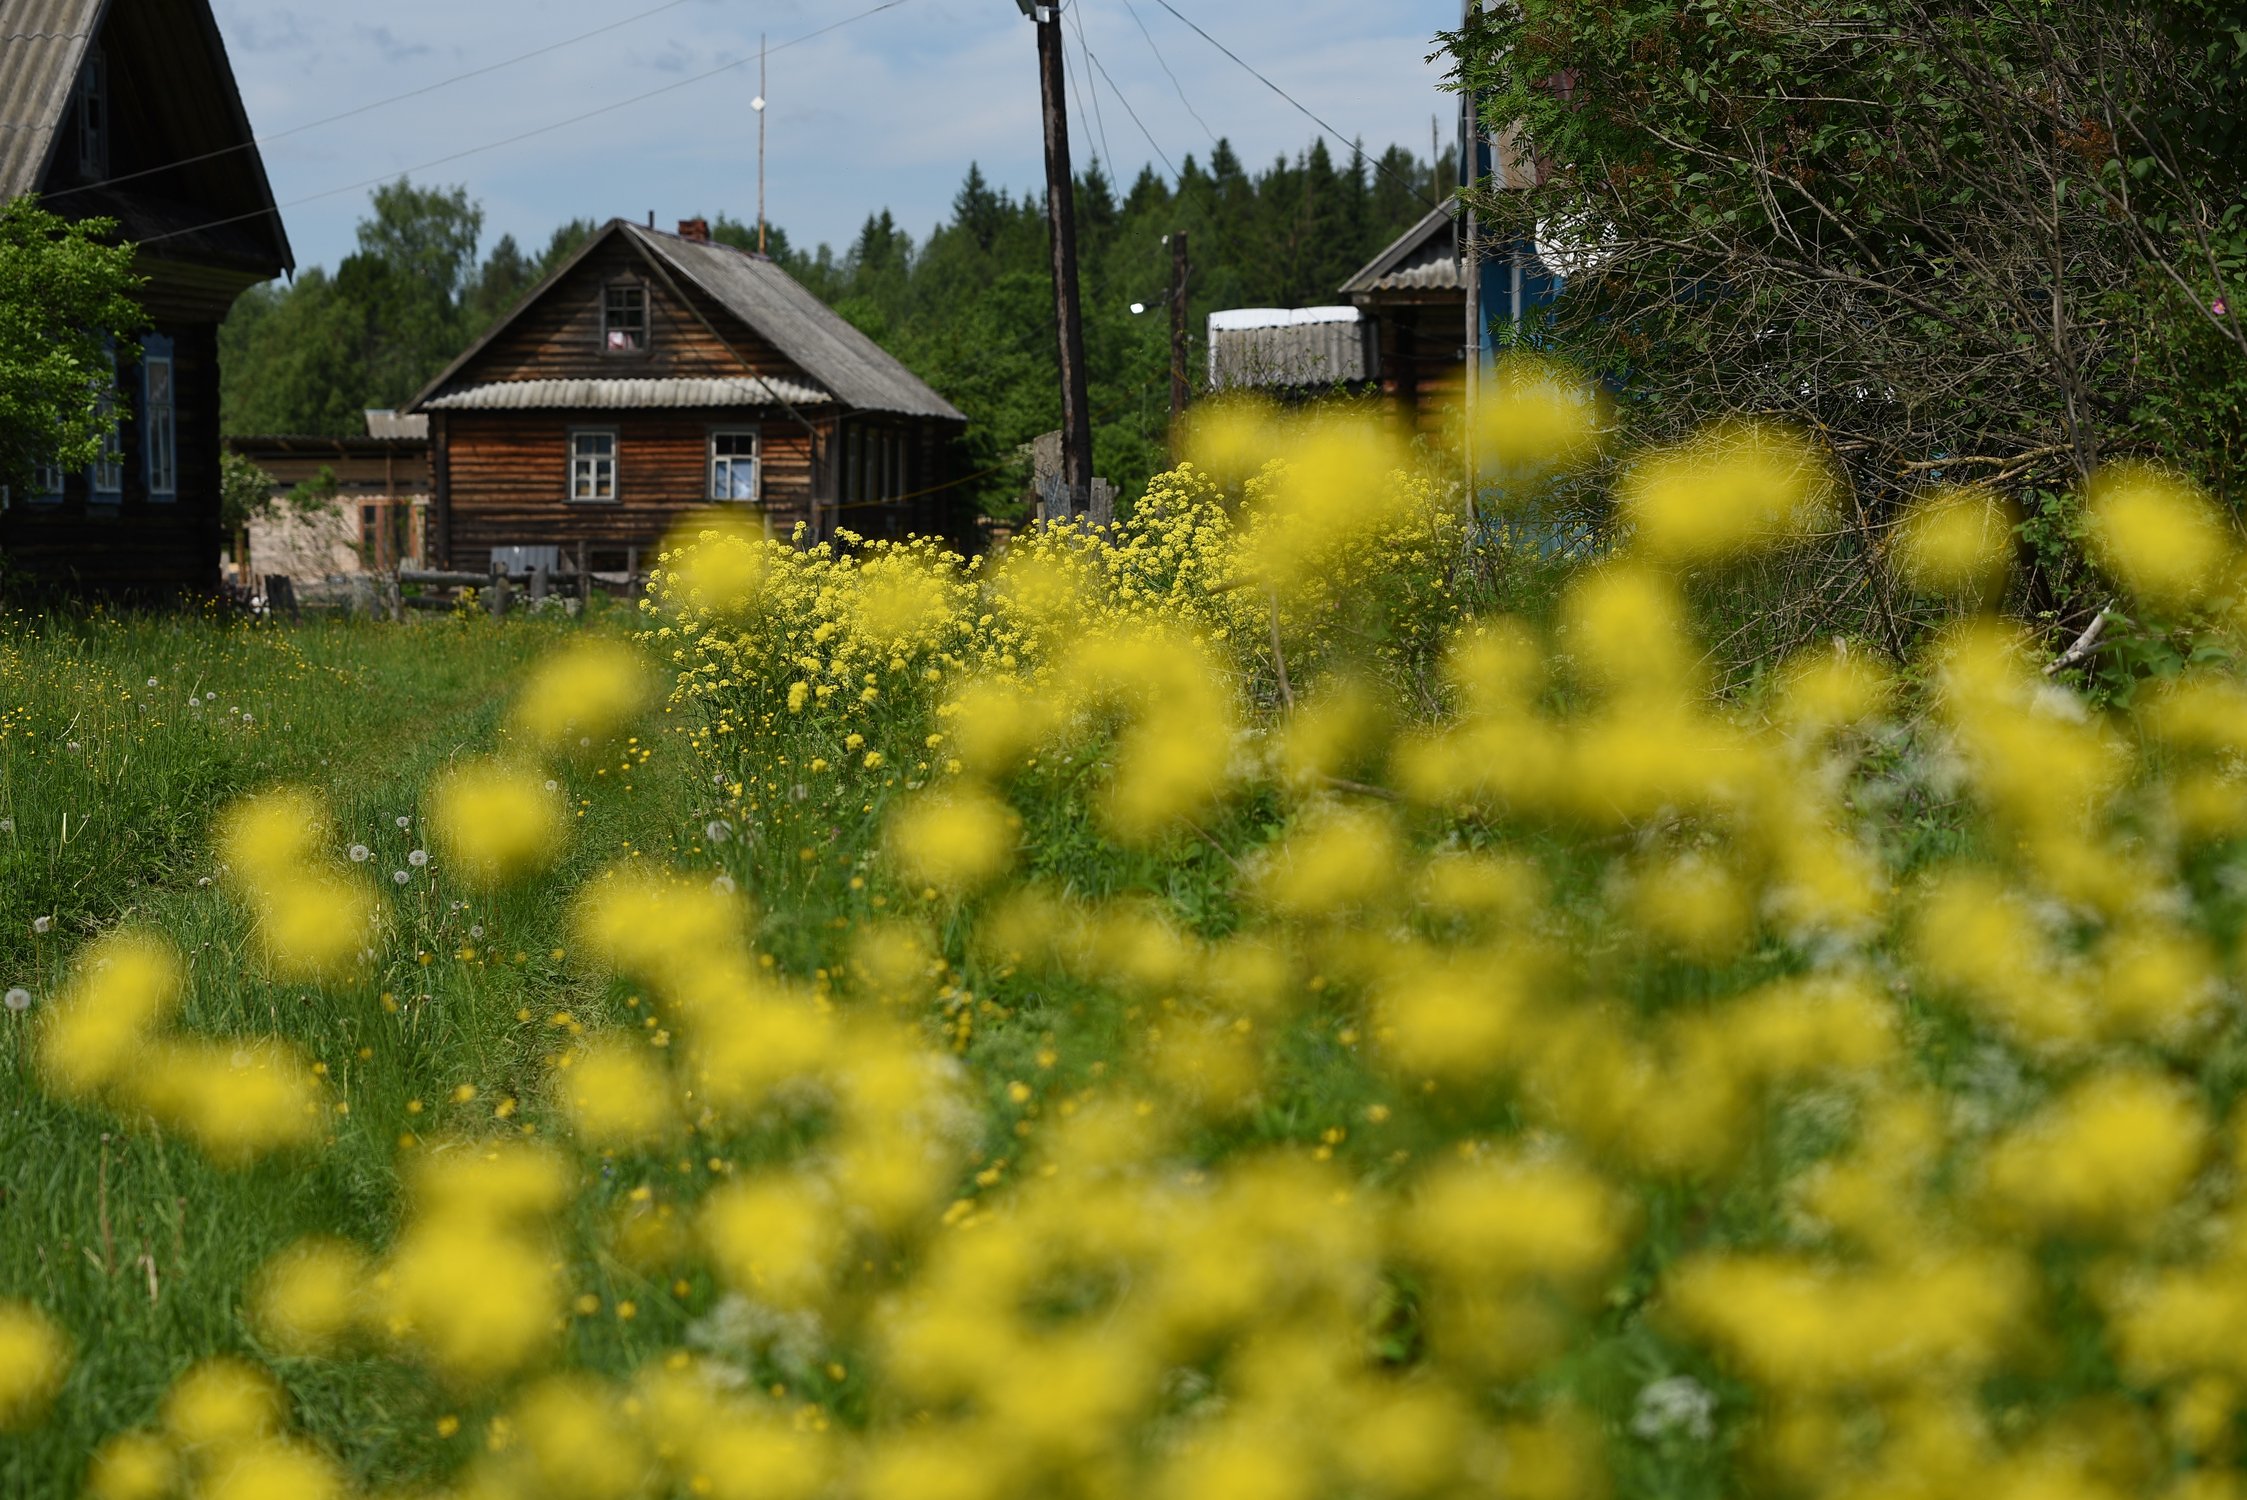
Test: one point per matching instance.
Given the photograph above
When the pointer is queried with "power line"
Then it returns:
(1085, 47)
(606, 109)
(1164, 64)
(354, 113)
(1355, 148)
(1126, 103)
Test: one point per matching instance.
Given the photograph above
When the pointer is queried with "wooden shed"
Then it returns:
(658, 375)
(376, 517)
(128, 110)
(1415, 294)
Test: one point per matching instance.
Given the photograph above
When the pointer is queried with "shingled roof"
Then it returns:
(42, 47)
(842, 364)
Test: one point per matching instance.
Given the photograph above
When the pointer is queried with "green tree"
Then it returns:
(66, 307)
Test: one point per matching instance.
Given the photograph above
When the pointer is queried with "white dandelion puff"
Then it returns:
(716, 832)
(19, 999)
(723, 885)
(553, 786)
(405, 822)
(476, 931)
(418, 858)
(42, 924)
(400, 876)
(360, 854)
(152, 682)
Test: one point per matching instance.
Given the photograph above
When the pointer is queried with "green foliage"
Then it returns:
(1962, 243)
(66, 301)
(245, 492)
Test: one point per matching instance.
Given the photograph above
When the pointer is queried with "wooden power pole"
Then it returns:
(1061, 210)
(1180, 269)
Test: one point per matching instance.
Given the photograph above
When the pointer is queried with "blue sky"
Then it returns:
(885, 112)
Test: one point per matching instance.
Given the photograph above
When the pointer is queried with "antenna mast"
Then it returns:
(759, 106)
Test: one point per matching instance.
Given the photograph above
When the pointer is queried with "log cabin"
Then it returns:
(128, 110)
(656, 376)
(375, 517)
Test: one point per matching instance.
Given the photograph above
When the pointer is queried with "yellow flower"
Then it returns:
(956, 841)
(587, 692)
(2157, 533)
(495, 822)
(1956, 541)
(34, 1357)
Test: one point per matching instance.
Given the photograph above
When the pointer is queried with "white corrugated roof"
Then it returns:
(613, 395)
(1238, 318)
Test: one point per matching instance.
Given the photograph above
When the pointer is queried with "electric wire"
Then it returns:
(606, 109)
(363, 109)
(1085, 47)
(1164, 64)
(1356, 149)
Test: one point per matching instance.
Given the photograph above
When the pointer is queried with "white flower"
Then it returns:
(400, 876)
(204, 883)
(405, 822)
(418, 858)
(716, 832)
(42, 924)
(584, 741)
(7, 825)
(233, 708)
(73, 744)
(194, 703)
(723, 885)
(249, 718)
(19, 999)
(1677, 1404)
(476, 931)
(360, 854)
(553, 786)
(152, 682)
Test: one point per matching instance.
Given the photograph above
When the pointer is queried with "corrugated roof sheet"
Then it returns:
(389, 425)
(630, 395)
(42, 47)
(1304, 348)
(1425, 258)
(824, 345)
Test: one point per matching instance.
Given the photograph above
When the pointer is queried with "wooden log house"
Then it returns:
(128, 110)
(655, 376)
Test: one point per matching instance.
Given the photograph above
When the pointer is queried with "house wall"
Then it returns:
(504, 479)
(137, 546)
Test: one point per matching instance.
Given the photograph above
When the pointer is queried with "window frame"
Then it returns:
(159, 420)
(93, 115)
(615, 496)
(638, 288)
(111, 465)
(50, 480)
(755, 433)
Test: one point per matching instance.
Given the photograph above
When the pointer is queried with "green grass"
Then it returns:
(141, 1248)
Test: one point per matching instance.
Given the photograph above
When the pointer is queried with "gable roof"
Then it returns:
(1425, 258)
(43, 47)
(843, 364)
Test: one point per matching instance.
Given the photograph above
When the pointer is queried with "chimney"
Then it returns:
(697, 230)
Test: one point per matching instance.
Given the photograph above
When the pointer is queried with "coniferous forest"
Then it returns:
(968, 305)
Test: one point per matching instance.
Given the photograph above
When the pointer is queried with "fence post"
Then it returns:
(538, 583)
(584, 579)
(500, 587)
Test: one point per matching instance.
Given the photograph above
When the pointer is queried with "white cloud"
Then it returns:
(884, 113)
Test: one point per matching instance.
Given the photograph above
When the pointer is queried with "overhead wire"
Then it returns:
(1077, 10)
(1164, 64)
(576, 119)
(369, 108)
(1355, 148)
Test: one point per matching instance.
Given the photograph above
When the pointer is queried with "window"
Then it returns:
(733, 464)
(93, 116)
(624, 318)
(109, 469)
(46, 485)
(593, 464)
(159, 422)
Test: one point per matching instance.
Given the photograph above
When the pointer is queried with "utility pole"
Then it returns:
(1180, 267)
(1061, 210)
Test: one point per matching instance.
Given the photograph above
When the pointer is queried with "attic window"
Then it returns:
(624, 318)
(93, 116)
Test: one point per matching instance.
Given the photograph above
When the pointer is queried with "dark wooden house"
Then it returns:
(128, 110)
(1415, 294)
(658, 375)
